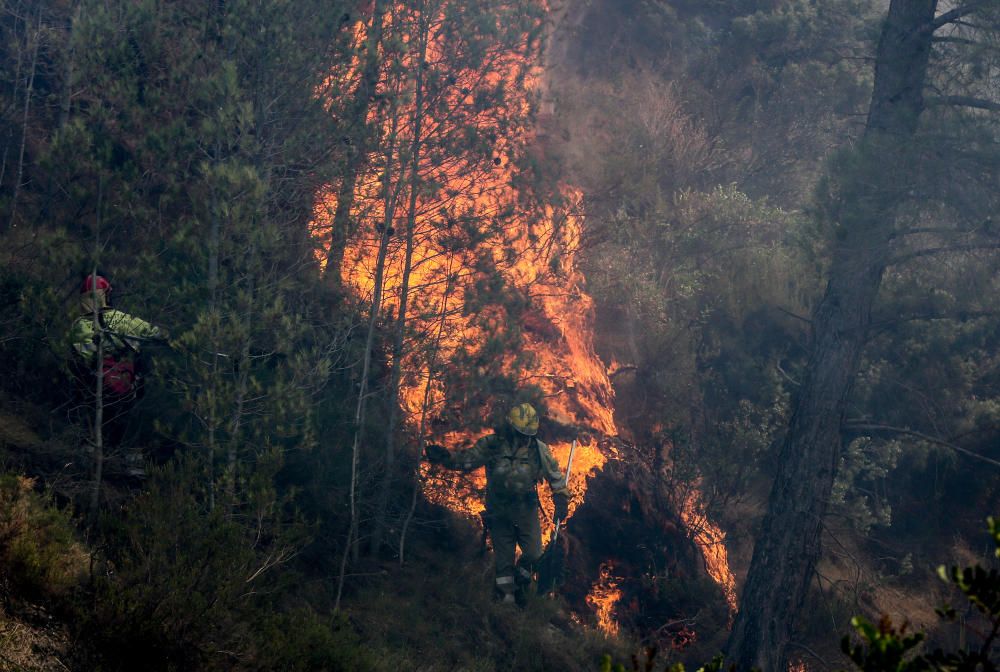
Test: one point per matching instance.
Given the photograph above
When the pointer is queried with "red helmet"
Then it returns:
(102, 284)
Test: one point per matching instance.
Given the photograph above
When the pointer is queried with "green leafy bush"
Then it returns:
(186, 586)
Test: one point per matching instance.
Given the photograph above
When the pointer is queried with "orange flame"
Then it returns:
(711, 541)
(603, 599)
(535, 252)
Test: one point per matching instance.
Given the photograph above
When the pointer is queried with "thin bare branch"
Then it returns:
(959, 316)
(957, 13)
(965, 101)
(972, 247)
(923, 437)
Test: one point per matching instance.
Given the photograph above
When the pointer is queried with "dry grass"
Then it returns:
(851, 574)
(27, 646)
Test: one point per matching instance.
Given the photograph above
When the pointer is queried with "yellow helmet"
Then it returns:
(524, 418)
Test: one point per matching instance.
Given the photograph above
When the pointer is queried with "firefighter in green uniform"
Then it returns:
(515, 461)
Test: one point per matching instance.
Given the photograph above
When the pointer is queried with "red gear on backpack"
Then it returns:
(119, 375)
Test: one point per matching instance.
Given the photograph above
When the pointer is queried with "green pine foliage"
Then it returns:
(302, 641)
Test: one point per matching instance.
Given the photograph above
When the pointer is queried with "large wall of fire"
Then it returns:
(445, 189)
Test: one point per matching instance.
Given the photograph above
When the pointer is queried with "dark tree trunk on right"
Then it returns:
(858, 199)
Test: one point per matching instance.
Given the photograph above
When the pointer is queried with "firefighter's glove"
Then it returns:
(436, 454)
(561, 502)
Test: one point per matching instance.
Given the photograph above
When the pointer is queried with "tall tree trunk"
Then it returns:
(389, 201)
(214, 243)
(424, 408)
(357, 154)
(242, 390)
(98, 436)
(29, 91)
(392, 402)
(862, 191)
(69, 68)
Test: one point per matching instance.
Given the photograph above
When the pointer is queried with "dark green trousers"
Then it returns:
(514, 524)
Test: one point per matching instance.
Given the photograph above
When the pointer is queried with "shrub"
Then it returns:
(302, 641)
(39, 555)
(173, 591)
(886, 648)
(192, 587)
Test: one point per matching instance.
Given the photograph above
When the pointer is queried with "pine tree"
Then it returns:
(864, 201)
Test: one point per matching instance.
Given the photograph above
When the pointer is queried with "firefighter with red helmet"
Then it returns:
(108, 341)
(515, 461)
(124, 333)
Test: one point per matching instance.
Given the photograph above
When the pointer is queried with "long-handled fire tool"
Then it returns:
(569, 465)
(551, 566)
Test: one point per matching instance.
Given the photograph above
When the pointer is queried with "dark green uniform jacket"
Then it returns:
(514, 465)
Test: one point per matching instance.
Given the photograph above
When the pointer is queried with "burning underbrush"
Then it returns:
(651, 577)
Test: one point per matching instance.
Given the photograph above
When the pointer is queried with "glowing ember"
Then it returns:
(603, 599)
(683, 638)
